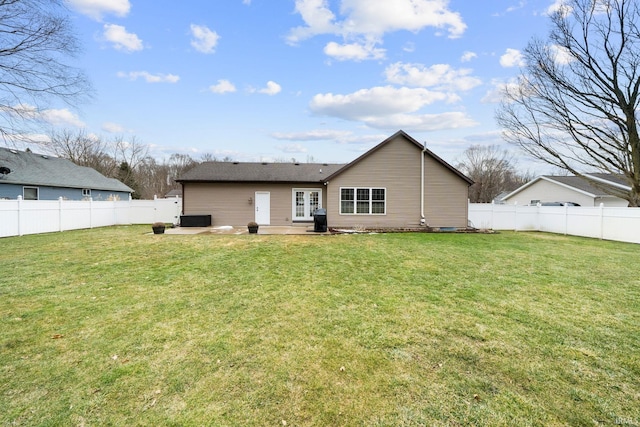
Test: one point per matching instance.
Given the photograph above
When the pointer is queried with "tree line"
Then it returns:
(492, 169)
(127, 161)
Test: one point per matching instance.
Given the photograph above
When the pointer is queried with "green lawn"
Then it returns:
(118, 327)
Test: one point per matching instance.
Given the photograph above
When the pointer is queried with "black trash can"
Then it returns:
(320, 220)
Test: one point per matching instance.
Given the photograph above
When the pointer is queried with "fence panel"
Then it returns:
(39, 216)
(611, 223)
(9, 217)
(76, 215)
(19, 217)
(622, 224)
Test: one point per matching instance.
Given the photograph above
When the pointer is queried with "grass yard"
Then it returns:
(118, 327)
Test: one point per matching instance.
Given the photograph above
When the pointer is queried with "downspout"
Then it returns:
(424, 150)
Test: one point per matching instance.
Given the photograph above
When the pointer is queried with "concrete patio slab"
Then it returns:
(263, 230)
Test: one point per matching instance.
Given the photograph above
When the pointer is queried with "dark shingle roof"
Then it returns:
(38, 169)
(259, 172)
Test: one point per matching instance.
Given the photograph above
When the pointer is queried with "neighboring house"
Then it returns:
(397, 184)
(42, 177)
(547, 188)
(173, 194)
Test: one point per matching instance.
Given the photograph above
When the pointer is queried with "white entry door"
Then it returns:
(263, 207)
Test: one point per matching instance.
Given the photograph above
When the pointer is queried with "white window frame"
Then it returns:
(355, 200)
(31, 188)
(86, 192)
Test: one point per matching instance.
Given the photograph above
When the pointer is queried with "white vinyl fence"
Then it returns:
(19, 217)
(621, 224)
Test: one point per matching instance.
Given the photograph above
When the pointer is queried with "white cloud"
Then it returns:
(223, 86)
(112, 127)
(512, 58)
(313, 135)
(498, 87)
(561, 55)
(511, 9)
(423, 122)
(374, 18)
(97, 8)
(204, 40)
(61, 117)
(559, 6)
(318, 17)
(390, 108)
(121, 39)
(362, 24)
(468, 56)
(439, 76)
(292, 148)
(374, 102)
(56, 117)
(272, 88)
(149, 78)
(353, 51)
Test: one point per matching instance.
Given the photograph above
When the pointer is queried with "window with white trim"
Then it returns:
(86, 192)
(363, 201)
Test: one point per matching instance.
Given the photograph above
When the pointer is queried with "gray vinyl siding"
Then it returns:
(228, 203)
(397, 168)
(12, 191)
(446, 196)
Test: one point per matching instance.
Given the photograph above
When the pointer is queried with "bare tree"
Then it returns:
(153, 178)
(35, 41)
(83, 149)
(129, 155)
(575, 104)
(493, 171)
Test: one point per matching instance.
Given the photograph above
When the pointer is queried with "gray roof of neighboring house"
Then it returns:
(587, 186)
(39, 169)
(259, 172)
(582, 184)
(616, 179)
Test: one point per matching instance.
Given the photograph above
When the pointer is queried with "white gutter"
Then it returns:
(422, 220)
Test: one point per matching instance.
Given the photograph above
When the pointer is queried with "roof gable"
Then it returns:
(38, 169)
(419, 146)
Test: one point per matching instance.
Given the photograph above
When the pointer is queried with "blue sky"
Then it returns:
(265, 80)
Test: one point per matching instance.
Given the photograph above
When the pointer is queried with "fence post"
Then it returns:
(515, 216)
(60, 213)
(601, 221)
(155, 208)
(566, 219)
(19, 215)
(493, 210)
(90, 212)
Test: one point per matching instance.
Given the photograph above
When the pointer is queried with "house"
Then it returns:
(175, 193)
(41, 177)
(397, 184)
(574, 189)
